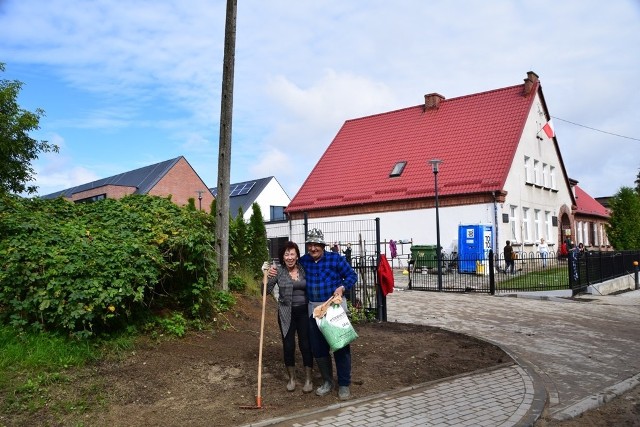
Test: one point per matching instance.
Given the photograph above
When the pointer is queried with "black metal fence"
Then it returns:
(361, 236)
(593, 267)
(531, 271)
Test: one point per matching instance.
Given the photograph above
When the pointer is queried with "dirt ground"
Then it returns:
(208, 378)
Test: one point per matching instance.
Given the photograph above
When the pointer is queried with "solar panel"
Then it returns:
(241, 189)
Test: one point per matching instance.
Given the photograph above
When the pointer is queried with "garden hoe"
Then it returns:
(258, 405)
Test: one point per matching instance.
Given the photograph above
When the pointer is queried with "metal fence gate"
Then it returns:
(364, 238)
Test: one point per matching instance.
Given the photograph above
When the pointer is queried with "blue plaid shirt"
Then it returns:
(326, 275)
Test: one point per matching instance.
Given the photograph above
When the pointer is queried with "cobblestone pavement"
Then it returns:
(573, 355)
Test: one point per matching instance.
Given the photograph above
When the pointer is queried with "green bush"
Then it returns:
(87, 268)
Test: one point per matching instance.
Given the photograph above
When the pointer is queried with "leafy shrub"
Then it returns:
(237, 284)
(86, 268)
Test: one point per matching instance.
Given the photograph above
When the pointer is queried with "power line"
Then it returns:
(597, 130)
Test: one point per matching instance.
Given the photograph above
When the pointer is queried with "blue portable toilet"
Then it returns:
(474, 243)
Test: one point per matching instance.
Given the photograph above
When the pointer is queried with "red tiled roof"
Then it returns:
(587, 205)
(475, 136)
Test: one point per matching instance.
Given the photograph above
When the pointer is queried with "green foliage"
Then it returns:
(33, 366)
(360, 314)
(257, 235)
(174, 325)
(191, 204)
(87, 268)
(623, 230)
(238, 242)
(237, 283)
(17, 148)
(223, 301)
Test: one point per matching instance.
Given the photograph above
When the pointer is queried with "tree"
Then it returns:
(17, 148)
(624, 225)
(258, 236)
(637, 181)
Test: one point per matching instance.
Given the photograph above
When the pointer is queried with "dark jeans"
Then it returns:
(510, 266)
(299, 325)
(321, 349)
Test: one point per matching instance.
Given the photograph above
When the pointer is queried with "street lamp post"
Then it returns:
(200, 198)
(434, 165)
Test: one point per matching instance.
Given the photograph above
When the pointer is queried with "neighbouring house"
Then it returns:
(175, 178)
(590, 220)
(500, 165)
(266, 192)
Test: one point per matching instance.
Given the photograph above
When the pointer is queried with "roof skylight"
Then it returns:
(397, 169)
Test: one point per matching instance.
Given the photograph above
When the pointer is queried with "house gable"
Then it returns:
(183, 183)
(174, 177)
(267, 192)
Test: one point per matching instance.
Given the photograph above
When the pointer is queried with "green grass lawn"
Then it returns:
(35, 366)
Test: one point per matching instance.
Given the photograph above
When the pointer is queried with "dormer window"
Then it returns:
(397, 169)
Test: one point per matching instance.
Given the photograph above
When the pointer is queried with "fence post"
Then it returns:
(381, 298)
(635, 274)
(492, 276)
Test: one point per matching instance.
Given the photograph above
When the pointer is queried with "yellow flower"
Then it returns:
(111, 308)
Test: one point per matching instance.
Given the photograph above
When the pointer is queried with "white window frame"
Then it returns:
(552, 176)
(512, 220)
(545, 175)
(547, 225)
(537, 225)
(527, 167)
(536, 172)
(525, 225)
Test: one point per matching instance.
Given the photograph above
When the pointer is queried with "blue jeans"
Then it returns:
(320, 348)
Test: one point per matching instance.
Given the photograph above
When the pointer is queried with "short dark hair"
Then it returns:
(508, 242)
(286, 247)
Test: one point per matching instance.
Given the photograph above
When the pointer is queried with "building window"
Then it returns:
(525, 225)
(552, 177)
(579, 233)
(537, 225)
(277, 213)
(536, 172)
(545, 175)
(512, 220)
(527, 169)
(92, 198)
(547, 224)
(397, 169)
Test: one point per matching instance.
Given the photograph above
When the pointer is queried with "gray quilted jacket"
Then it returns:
(285, 291)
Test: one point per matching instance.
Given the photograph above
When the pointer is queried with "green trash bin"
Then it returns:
(424, 256)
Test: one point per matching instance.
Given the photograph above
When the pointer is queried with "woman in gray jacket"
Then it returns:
(292, 313)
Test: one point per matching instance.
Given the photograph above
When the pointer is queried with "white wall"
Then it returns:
(533, 197)
(272, 195)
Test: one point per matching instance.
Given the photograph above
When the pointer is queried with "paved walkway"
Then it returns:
(570, 355)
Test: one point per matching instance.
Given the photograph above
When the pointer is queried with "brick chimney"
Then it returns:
(432, 101)
(529, 83)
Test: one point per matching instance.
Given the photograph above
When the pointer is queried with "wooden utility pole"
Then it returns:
(224, 148)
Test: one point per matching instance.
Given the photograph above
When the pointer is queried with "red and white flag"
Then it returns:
(549, 130)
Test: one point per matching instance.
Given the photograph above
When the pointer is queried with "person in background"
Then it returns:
(292, 313)
(509, 263)
(543, 248)
(347, 253)
(335, 247)
(328, 274)
(580, 248)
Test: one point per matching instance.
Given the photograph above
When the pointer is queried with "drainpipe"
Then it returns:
(495, 222)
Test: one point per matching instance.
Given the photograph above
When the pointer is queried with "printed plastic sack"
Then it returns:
(336, 327)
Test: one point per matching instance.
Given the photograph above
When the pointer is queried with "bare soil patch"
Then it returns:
(207, 377)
